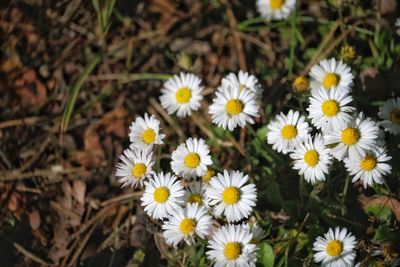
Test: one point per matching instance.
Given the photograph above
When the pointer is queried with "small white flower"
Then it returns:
(390, 115)
(233, 107)
(231, 196)
(230, 247)
(195, 193)
(163, 194)
(312, 159)
(145, 132)
(331, 73)
(275, 9)
(287, 131)
(258, 233)
(243, 81)
(191, 158)
(369, 169)
(354, 139)
(185, 224)
(336, 248)
(329, 110)
(134, 166)
(182, 94)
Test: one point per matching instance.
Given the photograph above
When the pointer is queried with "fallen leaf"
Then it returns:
(115, 122)
(389, 202)
(79, 191)
(34, 219)
(31, 91)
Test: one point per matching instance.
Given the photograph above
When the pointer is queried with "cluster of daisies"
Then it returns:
(191, 199)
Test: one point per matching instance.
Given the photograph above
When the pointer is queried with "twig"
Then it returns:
(117, 199)
(30, 255)
(20, 122)
(18, 175)
(129, 77)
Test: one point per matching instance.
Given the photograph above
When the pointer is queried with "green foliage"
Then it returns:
(381, 212)
(265, 255)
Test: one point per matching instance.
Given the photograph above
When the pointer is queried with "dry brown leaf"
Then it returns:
(34, 219)
(79, 191)
(115, 122)
(31, 91)
(389, 202)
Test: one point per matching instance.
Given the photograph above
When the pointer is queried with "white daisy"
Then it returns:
(335, 249)
(145, 132)
(243, 81)
(353, 139)
(233, 107)
(191, 158)
(329, 110)
(275, 9)
(134, 166)
(230, 247)
(258, 233)
(331, 73)
(182, 94)
(230, 196)
(390, 115)
(312, 159)
(369, 169)
(195, 193)
(287, 131)
(163, 194)
(185, 224)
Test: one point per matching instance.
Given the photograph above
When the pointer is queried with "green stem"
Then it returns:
(293, 42)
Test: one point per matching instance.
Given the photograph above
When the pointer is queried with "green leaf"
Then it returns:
(383, 233)
(380, 212)
(265, 255)
(274, 195)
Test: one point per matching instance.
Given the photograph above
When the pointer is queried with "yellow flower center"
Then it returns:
(334, 248)
(347, 53)
(311, 157)
(289, 132)
(330, 108)
(148, 136)
(231, 195)
(161, 194)
(276, 4)
(207, 177)
(331, 79)
(183, 95)
(234, 107)
(301, 84)
(350, 136)
(368, 163)
(192, 160)
(138, 170)
(232, 250)
(395, 116)
(187, 226)
(195, 198)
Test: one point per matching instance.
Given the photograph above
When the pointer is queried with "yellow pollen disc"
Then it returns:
(350, 136)
(192, 160)
(232, 250)
(231, 195)
(161, 194)
(207, 177)
(395, 116)
(187, 226)
(311, 157)
(195, 198)
(276, 4)
(330, 79)
(183, 95)
(301, 84)
(289, 132)
(368, 163)
(148, 136)
(334, 248)
(139, 170)
(330, 108)
(234, 107)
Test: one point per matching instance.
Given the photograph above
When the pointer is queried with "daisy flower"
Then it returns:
(243, 81)
(207, 177)
(369, 169)
(336, 248)
(162, 194)
(145, 132)
(312, 159)
(191, 158)
(331, 73)
(230, 246)
(185, 224)
(195, 193)
(275, 9)
(258, 233)
(390, 115)
(182, 94)
(329, 110)
(135, 166)
(233, 107)
(230, 196)
(287, 131)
